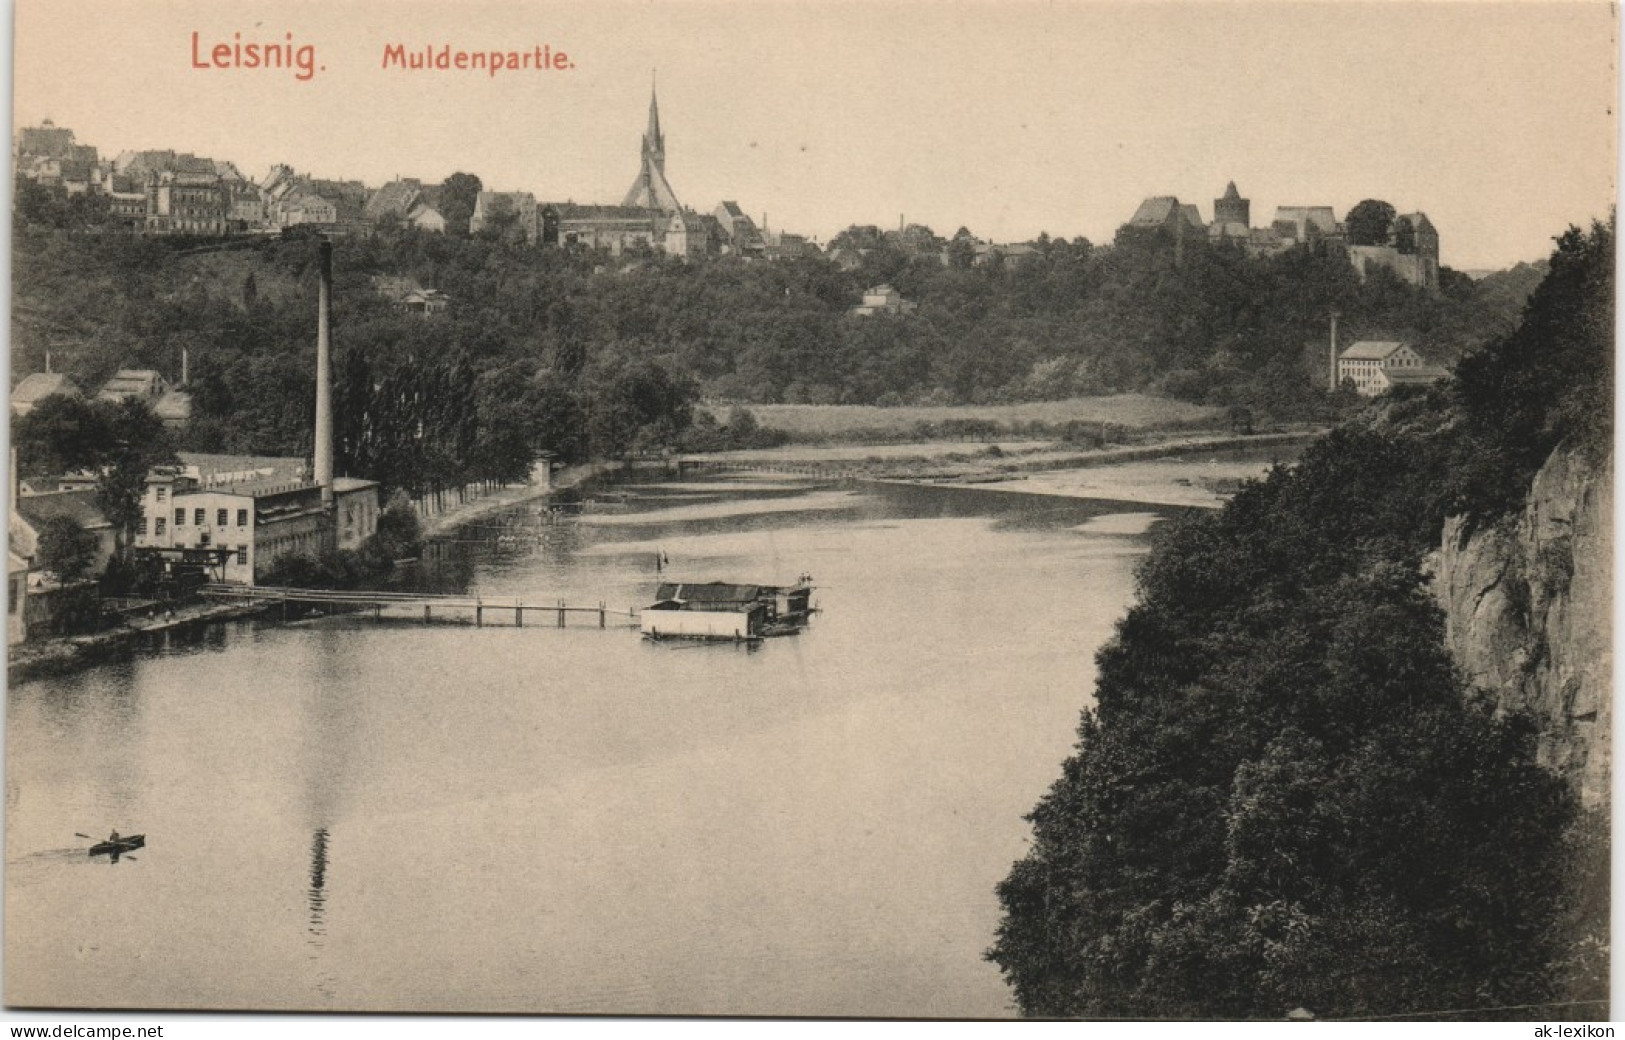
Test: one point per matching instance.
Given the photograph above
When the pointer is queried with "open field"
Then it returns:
(1133, 411)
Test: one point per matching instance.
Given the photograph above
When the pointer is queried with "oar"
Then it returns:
(87, 837)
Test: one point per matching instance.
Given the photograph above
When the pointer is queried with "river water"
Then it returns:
(348, 814)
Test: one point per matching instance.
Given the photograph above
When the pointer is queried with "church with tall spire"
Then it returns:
(649, 216)
(651, 190)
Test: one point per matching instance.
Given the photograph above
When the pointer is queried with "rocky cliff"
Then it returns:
(1528, 608)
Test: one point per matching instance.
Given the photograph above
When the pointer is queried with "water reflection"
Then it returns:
(318, 882)
(801, 826)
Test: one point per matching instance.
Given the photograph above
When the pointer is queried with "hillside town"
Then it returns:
(224, 517)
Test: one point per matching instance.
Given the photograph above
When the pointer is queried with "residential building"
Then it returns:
(30, 514)
(424, 301)
(498, 210)
(882, 299)
(740, 235)
(1377, 366)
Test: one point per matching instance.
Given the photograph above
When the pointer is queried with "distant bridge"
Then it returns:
(427, 607)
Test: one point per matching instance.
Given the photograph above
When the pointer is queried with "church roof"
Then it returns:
(574, 211)
(1231, 194)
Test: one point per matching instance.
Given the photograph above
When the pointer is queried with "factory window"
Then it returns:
(242, 554)
(158, 526)
(242, 518)
(198, 516)
(220, 517)
(160, 492)
(180, 518)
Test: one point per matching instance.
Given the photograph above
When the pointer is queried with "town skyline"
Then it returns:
(1504, 134)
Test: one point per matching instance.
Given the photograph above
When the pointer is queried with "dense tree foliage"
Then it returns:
(1284, 795)
(65, 548)
(1548, 381)
(458, 193)
(555, 350)
(1368, 222)
(118, 441)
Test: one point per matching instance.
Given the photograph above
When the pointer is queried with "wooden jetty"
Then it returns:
(427, 607)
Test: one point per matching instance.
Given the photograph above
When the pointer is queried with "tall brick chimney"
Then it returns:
(1332, 385)
(324, 382)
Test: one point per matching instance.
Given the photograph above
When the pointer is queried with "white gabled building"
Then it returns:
(1377, 366)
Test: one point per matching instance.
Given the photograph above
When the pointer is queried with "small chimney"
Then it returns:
(185, 380)
(324, 382)
(47, 362)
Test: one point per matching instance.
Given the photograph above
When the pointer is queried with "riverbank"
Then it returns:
(1190, 470)
(61, 654)
(565, 479)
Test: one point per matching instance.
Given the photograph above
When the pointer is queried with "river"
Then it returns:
(344, 814)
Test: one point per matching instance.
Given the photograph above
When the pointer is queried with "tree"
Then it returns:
(458, 193)
(60, 434)
(136, 442)
(65, 548)
(1367, 223)
(1284, 795)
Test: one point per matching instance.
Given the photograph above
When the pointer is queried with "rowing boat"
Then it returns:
(125, 844)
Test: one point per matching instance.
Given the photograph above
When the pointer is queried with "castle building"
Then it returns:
(1232, 208)
(1412, 252)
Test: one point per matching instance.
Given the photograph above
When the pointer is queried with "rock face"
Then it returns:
(1528, 613)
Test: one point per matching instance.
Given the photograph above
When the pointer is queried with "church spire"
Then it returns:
(651, 190)
(654, 144)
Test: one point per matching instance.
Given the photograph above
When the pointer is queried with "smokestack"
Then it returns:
(324, 382)
(1332, 386)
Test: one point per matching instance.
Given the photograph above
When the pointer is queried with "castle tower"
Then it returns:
(1232, 209)
(651, 190)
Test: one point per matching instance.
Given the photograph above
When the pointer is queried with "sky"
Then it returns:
(1008, 117)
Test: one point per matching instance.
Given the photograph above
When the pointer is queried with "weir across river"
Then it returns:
(428, 607)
